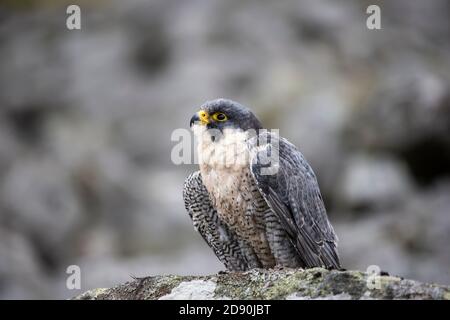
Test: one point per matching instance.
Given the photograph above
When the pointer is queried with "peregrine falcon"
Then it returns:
(255, 199)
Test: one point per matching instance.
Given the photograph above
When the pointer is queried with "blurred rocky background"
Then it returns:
(86, 118)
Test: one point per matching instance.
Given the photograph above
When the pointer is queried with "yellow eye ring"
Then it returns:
(219, 116)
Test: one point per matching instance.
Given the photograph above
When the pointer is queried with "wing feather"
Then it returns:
(292, 192)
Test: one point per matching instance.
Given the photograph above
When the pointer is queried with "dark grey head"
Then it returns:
(224, 113)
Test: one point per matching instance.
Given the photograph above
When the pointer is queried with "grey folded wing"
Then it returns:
(290, 188)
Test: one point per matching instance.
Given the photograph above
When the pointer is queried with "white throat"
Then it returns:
(221, 150)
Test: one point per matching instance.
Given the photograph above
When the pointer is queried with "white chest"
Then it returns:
(224, 164)
(224, 185)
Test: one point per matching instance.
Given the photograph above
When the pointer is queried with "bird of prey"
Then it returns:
(255, 199)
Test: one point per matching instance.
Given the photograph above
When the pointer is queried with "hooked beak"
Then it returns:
(201, 116)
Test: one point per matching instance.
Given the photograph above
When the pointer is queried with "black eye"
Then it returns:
(219, 116)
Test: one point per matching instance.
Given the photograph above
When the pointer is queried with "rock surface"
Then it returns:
(289, 284)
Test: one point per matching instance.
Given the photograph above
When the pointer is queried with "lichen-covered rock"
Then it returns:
(290, 284)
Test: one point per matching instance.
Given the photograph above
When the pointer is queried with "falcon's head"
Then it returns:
(222, 114)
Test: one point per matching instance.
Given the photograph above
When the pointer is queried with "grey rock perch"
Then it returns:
(289, 284)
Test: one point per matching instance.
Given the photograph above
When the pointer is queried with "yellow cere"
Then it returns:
(204, 116)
